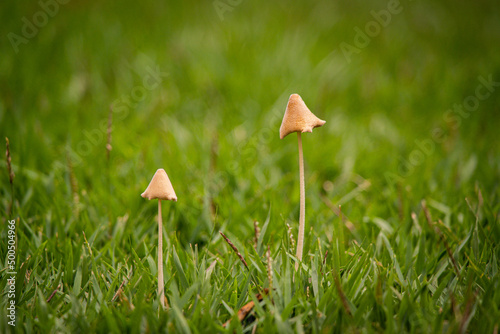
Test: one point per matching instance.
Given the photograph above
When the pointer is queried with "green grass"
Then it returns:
(212, 123)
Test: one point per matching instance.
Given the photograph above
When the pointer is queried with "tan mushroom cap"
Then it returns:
(160, 187)
(298, 118)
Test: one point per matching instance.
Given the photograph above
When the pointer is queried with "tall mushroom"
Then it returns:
(160, 188)
(298, 118)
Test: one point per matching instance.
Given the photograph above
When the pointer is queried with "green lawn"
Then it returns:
(410, 92)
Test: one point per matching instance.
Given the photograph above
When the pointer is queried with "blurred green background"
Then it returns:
(199, 88)
(225, 71)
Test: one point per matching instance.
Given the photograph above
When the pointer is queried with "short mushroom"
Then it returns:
(298, 118)
(160, 188)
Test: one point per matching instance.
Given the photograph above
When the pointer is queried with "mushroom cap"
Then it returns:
(298, 118)
(160, 187)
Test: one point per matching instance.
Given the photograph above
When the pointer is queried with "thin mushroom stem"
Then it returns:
(302, 217)
(161, 293)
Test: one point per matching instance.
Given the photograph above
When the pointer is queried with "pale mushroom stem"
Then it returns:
(302, 215)
(161, 293)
